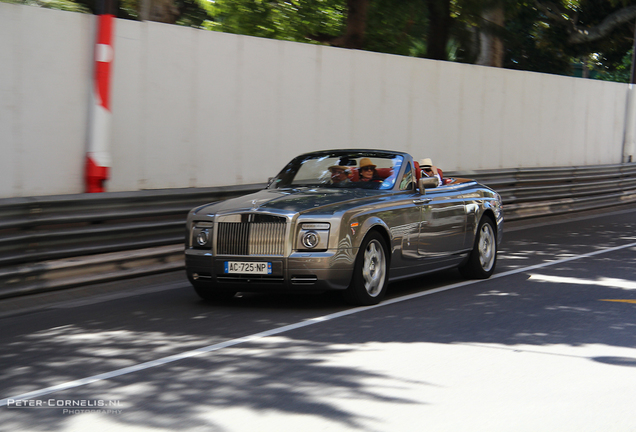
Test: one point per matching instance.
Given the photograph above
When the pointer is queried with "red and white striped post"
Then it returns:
(98, 159)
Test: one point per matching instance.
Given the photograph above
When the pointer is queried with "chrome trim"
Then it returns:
(302, 280)
(267, 239)
(246, 237)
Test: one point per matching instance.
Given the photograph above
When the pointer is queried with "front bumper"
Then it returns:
(321, 271)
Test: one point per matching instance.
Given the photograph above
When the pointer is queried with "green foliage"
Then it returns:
(67, 5)
(620, 73)
(286, 20)
(397, 27)
(193, 13)
(130, 8)
(535, 39)
(393, 26)
(535, 44)
(609, 53)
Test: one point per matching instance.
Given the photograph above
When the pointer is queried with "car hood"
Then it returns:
(289, 201)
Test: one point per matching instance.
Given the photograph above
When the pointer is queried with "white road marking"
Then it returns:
(264, 334)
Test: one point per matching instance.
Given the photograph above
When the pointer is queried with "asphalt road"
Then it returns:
(548, 343)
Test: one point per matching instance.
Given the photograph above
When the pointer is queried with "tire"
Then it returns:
(208, 293)
(371, 272)
(483, 258)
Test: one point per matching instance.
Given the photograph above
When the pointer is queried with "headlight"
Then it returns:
(313, 236)
(310, 239)
(202, 235)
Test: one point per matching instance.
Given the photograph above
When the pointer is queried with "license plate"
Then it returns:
(246, 267)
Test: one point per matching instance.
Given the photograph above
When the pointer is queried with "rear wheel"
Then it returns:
(371, 272)
(483, 258)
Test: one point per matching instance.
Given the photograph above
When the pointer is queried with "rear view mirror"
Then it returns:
(427, 182)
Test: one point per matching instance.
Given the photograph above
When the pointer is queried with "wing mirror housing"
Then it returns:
(426, 182)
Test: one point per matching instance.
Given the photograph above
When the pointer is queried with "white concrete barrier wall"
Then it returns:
(45, 66)
(194, 108)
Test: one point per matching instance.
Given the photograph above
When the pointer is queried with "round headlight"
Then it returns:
(310, 239)
(203, 237)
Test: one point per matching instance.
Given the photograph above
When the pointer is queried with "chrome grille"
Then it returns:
(252, 237)
(233, 238)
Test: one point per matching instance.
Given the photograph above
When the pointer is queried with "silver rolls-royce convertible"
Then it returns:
(348, 220)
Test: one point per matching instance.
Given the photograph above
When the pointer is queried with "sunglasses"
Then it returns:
(428, 170)
(367, 168)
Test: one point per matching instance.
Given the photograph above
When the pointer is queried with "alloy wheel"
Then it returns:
(374, 268)
(486, 247)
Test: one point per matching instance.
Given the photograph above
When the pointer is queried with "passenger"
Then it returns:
(339, 174)
(430, 170)
(367, 171)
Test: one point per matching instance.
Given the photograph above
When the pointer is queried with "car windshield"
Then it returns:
(350, 170)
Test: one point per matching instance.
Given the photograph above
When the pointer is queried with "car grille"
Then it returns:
(263, 236)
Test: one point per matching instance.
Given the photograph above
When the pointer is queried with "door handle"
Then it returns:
(422, 200)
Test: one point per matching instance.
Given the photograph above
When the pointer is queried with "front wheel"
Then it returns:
(371, 272)
(483, 258)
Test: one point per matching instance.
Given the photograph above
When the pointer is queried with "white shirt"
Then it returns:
(439, 179)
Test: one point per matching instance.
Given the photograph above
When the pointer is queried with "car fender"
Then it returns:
(487, 205)
(367, 225)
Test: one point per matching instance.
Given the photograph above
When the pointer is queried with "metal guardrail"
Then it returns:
(56, 242)
(536, 192)
(42, 228)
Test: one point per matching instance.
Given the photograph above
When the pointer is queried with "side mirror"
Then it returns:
(426, 182)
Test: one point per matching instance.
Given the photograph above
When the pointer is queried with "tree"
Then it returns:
(491, 52)
(391, 26)
(600, 31)
(192, 13)
(533, 45)
(439, 27)
(538, 35)
(397, 27)
(579, 32)
(302, 21)
(356, 24)
(165, 11)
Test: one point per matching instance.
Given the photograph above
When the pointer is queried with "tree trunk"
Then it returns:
(355, 30)
(356, 24)
(491, 45)
(438, 29)
(164, 11)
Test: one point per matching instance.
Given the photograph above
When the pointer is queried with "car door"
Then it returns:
(405, 220)
(443, 224)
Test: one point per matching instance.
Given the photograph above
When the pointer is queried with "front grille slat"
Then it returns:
(281, 234)
(243, 245)
(259, 238)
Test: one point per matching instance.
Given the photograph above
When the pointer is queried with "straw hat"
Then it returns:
(426, 162)
(364, 162)
(344, 168)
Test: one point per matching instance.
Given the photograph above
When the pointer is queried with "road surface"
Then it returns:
(548, 343)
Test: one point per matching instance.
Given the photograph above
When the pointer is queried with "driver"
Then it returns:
(339, 174)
